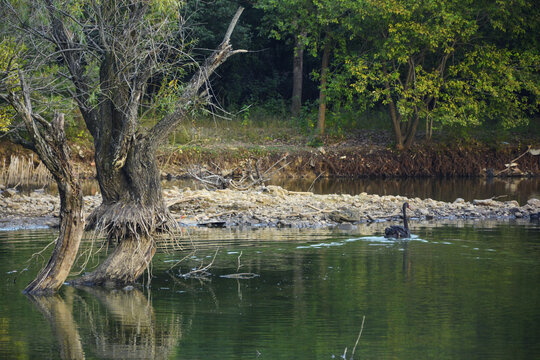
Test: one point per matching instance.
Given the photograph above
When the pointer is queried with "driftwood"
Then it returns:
(251, 176)
(511, 168)
(489, 202)
(240, 276)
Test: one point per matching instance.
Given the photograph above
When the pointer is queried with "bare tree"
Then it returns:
(48, 140)
(110, 50)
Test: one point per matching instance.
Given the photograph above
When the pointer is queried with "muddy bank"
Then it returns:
(350, 159)
(345, 161)
(273, 206)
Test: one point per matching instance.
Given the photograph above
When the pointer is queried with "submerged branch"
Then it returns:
(200, 271)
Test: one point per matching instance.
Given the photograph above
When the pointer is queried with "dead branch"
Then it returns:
(252, 176)
(239, 265)
(320, 210)
(240, 276)
(359, 335)
(311, 187)
(200, 271)
(512, 165)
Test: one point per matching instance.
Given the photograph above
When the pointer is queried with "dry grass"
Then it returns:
(22, 171)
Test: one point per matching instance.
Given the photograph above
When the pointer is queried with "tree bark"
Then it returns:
(131, 212)
(396, 118)
(128, 260)
(298, 66)
(321, 120)
(49, 141)
(411, 133)
(53, 275)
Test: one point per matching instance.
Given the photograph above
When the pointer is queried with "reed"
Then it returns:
(21, 171)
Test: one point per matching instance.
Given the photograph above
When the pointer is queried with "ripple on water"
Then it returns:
(372, 240)
(18, 227)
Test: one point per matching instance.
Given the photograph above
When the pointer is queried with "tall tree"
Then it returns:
(430, 60)
(110, 50)
(291, 18)
(315, 26)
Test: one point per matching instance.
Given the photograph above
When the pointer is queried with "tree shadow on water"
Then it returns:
(111, 324)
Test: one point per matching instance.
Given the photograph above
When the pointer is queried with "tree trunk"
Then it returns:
(53, 275)
(132, 208)
(132, 199)
(49, 142)
(396, 119)
(321, 120)
(124, 265)
(132, 211)
(298, 65)
(411, 131)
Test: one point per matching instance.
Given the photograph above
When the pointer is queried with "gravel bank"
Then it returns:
(271, 206)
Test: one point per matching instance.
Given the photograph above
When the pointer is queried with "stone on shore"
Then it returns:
(273, 206)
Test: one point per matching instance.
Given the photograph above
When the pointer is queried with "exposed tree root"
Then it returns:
(122, 220)
(124, 265)
(131, 229)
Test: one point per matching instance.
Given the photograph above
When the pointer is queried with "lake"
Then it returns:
(457, 290)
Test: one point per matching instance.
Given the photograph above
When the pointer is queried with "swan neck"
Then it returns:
(405, 223)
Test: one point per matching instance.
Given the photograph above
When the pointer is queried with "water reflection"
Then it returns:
(456, 290)
(443, 189)
(116, 324)
(59, 314)
(407, 263)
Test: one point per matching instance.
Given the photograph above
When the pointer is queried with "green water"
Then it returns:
(455, 291)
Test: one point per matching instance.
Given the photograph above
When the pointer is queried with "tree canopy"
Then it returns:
(441, 61)
(428, 64)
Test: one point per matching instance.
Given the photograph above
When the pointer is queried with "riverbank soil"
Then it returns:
(344, 160)
(366, 154)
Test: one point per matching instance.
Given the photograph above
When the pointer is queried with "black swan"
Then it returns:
(397, 231)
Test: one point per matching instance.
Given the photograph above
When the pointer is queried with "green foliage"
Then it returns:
(493, 84)
(454, 65)
(6, 118)
(9, 79)
(437, 60)
(9, 63)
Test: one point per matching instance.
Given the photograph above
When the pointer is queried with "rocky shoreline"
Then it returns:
(271, 206)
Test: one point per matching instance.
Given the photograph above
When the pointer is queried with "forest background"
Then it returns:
(393, 74)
